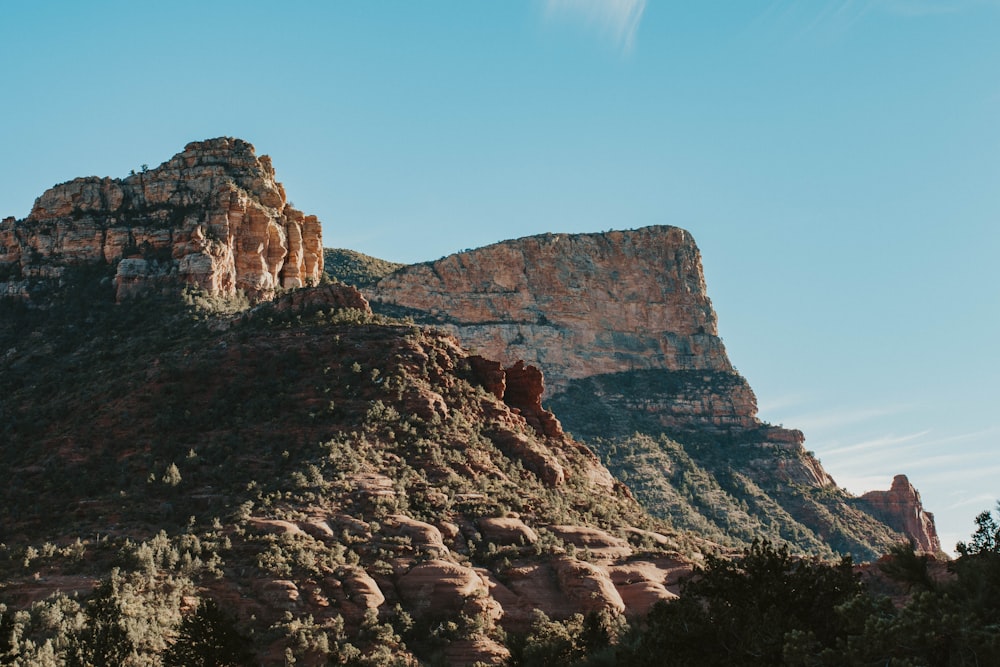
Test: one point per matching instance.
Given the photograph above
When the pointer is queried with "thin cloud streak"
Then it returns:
(985, 500)
(882, 444)
(619, 19)
(918, 8)
(837, 17)
(811, 423)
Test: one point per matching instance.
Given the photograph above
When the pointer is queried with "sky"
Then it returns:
(837, 161)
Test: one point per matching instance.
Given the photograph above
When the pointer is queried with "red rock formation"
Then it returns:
(587, 308)
(573, 305)
(507, 531)
(622, 328)
(901, 509)
(213, 216)
(310, 300)
(520, 387)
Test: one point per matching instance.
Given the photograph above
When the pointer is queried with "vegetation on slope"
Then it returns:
(189, 483)
(355, 268)
(721, 484)
(160, 459)
(767, 607)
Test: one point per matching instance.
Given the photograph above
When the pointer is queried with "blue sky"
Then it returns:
(838, 163)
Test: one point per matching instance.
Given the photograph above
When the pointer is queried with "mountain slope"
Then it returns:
(311, 455)
(622, 326)
(344, 486)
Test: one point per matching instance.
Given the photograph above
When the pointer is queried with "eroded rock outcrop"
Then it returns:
(574, 305)
(213, 216)
(900, 508)
(620, 317)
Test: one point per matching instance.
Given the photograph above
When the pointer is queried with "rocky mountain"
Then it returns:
(345, 486)
(622, 326)
(204, 439)
(307, 461)
(213, 216)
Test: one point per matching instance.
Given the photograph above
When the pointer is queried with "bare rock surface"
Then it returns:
(507, 531)
(597, 542)
(574, 305)
(440, 586)
(901, 508)
(213, 216)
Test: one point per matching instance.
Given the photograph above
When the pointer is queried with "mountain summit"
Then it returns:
(213, 216)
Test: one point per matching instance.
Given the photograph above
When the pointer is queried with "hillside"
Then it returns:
(344, 486)
(355, 268)
(207, 435)
(320, 463)
(621, 324)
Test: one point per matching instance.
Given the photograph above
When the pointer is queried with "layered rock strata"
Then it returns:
(623, 329)
(574, 305)
(590, 309)
(213, 217)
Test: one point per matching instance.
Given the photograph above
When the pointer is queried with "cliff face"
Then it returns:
(900, 507)
(578, 305)
(586, 308)
(622, 327)
(213, 216)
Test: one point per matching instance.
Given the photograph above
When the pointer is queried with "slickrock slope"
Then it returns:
(900, 507)
(621, 325)
(213, 216)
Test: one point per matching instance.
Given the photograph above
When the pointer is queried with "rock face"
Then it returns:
(573, 305)
(900, 507)
(622, 328)
(593, 311)
(213, 216)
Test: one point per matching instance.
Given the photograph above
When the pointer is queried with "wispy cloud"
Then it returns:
(980, 500)
(617, 19)
(811, 423)
(879, 444)
(782, 402)
(916, 8)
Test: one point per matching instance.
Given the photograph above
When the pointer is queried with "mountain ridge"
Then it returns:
(348, 484)
(621, 321)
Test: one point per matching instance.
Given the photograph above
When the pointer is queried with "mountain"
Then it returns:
(206, 442)
(212, 217)
(344, 486)
(622, 327)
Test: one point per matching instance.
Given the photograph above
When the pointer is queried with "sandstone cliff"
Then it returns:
(622, 326)
(587, 308)
(900, 507)
(213, 216)
(577, 305)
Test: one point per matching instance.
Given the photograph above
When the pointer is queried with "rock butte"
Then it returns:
(588, 308)
(213, 216)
